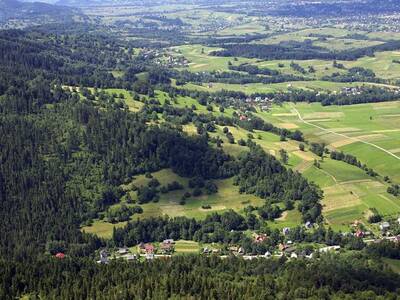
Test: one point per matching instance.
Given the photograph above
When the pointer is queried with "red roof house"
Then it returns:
(60, 255)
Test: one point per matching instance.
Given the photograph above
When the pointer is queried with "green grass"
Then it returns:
(199, 61)
(102, 229)
(185, 247)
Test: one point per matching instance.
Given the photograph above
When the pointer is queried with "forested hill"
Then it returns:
(68, 155)
(36, 12)
(336, 8)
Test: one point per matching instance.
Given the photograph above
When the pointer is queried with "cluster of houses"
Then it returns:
(217, 24)
(172, 61)
(264, 103)
(147, 250)
(288, 248)
(353, 91)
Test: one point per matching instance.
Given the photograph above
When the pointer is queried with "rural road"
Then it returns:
(343, 135)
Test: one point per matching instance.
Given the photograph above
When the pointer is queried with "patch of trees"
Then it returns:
(263, 175)
(318, 149)
(394, 189)
(300, 51)
(224, 228)
(122, 213)
(384, 248)
(353, 75)
(254, 70)
(184, 77)
(296, 67)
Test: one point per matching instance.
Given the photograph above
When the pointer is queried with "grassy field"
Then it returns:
(336, 39)
(200, 60)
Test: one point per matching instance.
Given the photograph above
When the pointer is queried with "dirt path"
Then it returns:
(343, 135)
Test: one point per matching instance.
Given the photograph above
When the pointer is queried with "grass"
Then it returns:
(226, 198)
(102, 229)
(185, 247)
(200, 59)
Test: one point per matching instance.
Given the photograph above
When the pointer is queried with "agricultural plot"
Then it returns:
(331, 38)
(251, 27)
(200, 60)
(349, 193)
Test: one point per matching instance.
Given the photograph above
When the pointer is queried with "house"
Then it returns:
(242, 118)
(293, 255)
(384, 226)
(282, 247)
(131, 257)
(259, 238)
(308, 225)
(60, 255)
(329, 249)
(236, 250)
(103, 257)
(167, 248)
(123, 251)
(286, 230)
(398, 220)
(206, 250)
(267, 254)
(169, 241)
(149, 256)
(359, 233)
(149, 248)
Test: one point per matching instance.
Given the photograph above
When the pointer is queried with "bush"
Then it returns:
(211, 188)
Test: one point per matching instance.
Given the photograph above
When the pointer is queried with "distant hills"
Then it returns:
(35, 12)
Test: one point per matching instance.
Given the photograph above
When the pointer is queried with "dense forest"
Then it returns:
(300, 51)
(186, 277)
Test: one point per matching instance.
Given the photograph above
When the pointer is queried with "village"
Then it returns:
(288, 249)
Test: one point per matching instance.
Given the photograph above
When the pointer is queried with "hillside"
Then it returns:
(35, 12)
